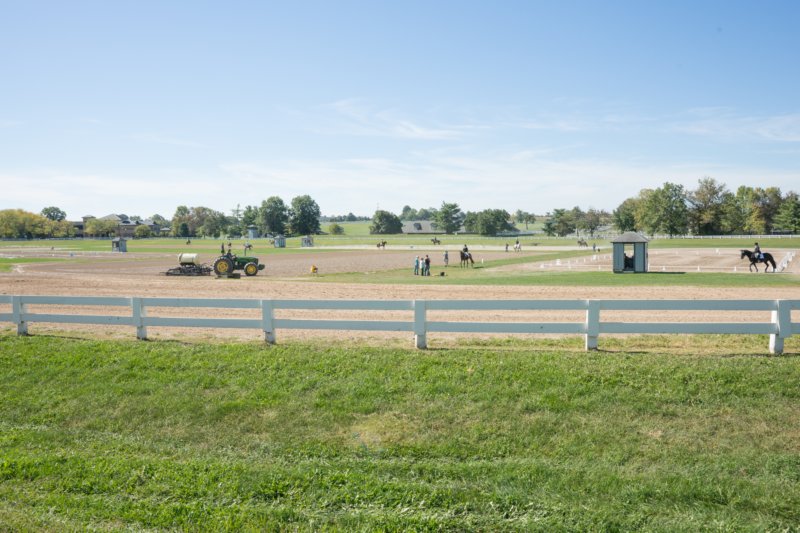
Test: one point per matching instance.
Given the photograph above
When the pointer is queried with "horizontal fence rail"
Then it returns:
(137, 313)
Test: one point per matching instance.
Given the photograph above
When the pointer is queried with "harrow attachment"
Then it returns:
(189, 266)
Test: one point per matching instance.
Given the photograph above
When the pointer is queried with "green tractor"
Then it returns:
(226, 264)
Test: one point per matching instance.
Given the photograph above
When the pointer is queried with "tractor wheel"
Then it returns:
(251, 269)
(223, 266)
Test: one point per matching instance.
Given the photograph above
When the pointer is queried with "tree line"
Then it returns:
(272, 217)
(709, 209)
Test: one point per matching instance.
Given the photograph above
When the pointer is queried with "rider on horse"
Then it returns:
(758, 253)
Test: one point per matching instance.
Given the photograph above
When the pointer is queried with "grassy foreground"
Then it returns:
(499, 436)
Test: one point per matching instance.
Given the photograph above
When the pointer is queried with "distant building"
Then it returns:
(424, 227)
(126, 227)
(420, 227)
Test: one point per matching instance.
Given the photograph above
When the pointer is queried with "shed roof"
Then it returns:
(631, 237)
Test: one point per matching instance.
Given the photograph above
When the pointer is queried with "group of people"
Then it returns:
(422, 266)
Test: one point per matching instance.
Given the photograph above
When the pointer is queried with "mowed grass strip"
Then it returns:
(506, 436)
(7, 264)
(485, 275)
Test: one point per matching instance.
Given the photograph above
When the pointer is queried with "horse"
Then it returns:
(466, 259)
(436, 241)
(754, 260)
(382, 244)
(582, 243)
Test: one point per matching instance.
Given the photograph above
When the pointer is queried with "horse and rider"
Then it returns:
(466, 257)
(758, 256)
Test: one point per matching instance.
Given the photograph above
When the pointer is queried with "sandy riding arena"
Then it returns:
(287, 277)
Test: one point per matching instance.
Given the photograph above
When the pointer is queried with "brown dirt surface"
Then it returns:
(287, 277)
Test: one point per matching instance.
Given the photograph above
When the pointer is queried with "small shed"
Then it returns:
(630, 252)
(252, 232)
(119, 244)
(279, 241)
(307, 241)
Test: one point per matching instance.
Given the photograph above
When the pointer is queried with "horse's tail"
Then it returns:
(769, 259)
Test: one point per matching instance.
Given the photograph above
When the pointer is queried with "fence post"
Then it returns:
(267, 321)
(18, 308)
(138, 311)
(782, 318)
(592, 324)
(420, 309)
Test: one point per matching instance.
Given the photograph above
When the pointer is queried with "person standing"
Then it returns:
(446, 259)
(416, 266)
(427, 270)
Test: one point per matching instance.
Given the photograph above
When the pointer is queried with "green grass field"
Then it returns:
(511, 435)
(357, 234)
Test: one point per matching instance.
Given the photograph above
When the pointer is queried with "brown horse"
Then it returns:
(466, 259)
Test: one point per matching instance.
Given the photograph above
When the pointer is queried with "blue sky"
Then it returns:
(137, 107)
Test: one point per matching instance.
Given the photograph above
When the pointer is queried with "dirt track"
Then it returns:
(286, 277)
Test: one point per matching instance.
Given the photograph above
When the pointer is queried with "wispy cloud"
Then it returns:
(724, 123)
(354, 117)
(5, 123)
(157, 138)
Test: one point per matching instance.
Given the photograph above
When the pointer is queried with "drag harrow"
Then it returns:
(189, 266)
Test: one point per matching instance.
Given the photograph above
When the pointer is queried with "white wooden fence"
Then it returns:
(136, 312)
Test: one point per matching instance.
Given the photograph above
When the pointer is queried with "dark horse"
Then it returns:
(768, 260)
(466, 259)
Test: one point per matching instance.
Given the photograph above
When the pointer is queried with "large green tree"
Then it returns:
(449, 218)
(385, 223)
(488, 222)
(591, 221)
(624, 216)
(199, 220)
(95, 227)
(304, 216)
(273, 216)
(664, 210)
(788, 217)
(19, 224)
(706, 207)
(54, 213)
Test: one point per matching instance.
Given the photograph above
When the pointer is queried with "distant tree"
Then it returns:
(212, 223)
(273, 216)
(577, 216)
(159, 220)
(54, 213)
(624, 216)
(100, 228)
(549, 227)
(706, 207)
(788, 217)
(304, 216)
(250, 215)
(183, 230)
(449, 218)
(488, 222)
(385, 223)
(523, 217)
(182, 218)
(734, 214)
(142, 232)
(669, 214)
(19, 224)
(408, 213)
(563, 222)
(335, 229)
(59, 229)
(592, 220)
